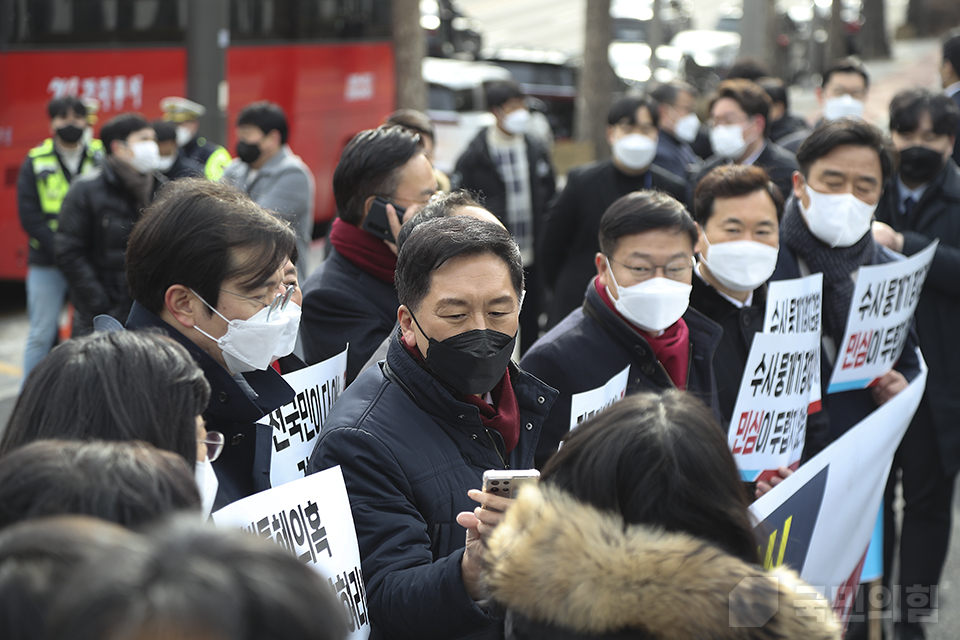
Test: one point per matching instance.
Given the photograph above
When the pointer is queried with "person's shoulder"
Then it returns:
(555, 342)
(667, 180)
(776, 154)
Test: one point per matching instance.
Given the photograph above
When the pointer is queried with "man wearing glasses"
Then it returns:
(635, 316)
(205, 267)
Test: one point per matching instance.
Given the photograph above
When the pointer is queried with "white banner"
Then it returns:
(769, 422)
(796, 306)
(587, 404)
(819, 520)
(297, 424)
(881, 313)
(311, 518)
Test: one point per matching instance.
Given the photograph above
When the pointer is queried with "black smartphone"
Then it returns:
(376, 222)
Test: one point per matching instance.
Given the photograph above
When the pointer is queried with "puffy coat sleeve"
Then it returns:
(410, 595)
(74, 244)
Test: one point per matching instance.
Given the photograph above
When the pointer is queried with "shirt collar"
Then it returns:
(753, 158)
(952, 89)
(906, 192)
(739, 305)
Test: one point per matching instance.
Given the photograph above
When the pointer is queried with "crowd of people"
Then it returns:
(474, 309)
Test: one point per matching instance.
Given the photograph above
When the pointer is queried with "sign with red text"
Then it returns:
(796, 306)
(311, 518)
(881, 314)
(587, 404)
(297, 424)
(769, 422)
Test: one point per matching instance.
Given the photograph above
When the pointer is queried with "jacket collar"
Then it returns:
(708, 301)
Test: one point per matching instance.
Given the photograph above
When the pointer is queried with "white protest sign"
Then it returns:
(796, 306)
(311, 518)
(819, 521)
(769, 422)
(297, 424)
(587, 404)
(881, 312)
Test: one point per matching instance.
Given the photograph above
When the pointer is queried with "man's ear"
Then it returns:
(182, 305)
(405, 319)
(799, 186)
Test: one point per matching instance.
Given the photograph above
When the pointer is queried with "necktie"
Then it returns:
(908, 205)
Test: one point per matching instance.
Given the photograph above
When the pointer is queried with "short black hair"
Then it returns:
(441, 206)
(434, 242)
(120, 127)
(124, 385)
(643, 211)
(748, 68)
(907, 107)
(193, 580)
(951, 49)
(846, 65)
(731, 181)
(416, 121)
(777, 90)
(625, 109)
(193, 234)
(847, 131)
(129, 483)
(60, 107)
(165, 130)
(266, 116)
(369, 166)
(499, 92)
(668, 92)
(749, 95)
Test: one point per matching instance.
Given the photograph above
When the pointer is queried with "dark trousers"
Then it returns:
(925, 533)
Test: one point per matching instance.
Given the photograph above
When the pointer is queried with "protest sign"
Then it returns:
(881, 314)
(297, 424)
(796, 306)
(819, 521)
(587, 404)
(311, 518)
(769, 422)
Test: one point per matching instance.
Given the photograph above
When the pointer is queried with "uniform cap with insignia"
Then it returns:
(177, 109)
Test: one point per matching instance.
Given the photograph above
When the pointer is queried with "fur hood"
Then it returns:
(560, 563)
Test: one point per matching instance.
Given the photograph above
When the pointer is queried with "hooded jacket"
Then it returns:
(565, 570)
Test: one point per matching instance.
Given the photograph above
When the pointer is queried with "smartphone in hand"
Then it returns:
(508, 482)
(376, 222)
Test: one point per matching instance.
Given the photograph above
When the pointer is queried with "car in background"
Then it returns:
(548, 76)
(630, 19)
(630, 62)
(457, 105)
(706, 56)
(449, 32)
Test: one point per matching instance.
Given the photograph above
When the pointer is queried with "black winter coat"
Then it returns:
(774, 159)
(96, 219)
(410, 451)
(593, 344)
(344, 304)
(243, 467)
(936, 216)
(570, 241)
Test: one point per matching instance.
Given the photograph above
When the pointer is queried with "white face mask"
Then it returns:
(687, 128)
(516, 121)
(184, 136)
(740, 265)
(166, 162)
(654, 304)
(727, 140)
(842, 106)
(146, 156)
(253, 344)
(635, 151)
(208, 483)
(837, 220)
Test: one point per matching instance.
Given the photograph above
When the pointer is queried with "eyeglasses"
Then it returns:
(414, 201)
(214, 443)
(676, 270)
(280, 301)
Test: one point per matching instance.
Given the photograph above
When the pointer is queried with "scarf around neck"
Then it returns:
(368, 253)
(139, 185)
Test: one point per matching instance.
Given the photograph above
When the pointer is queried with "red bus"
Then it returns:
(328, 63)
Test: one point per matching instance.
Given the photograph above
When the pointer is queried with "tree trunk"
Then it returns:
(409, 47)
(837, 44)
(916, 10)
(874, 32)
(593, 101)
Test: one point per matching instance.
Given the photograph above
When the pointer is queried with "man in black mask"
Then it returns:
(415, 434)
(920, 203)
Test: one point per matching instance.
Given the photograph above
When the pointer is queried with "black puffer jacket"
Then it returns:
(96, 219)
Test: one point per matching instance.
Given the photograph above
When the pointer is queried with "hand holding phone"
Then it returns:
(376, 222)
(507, 483)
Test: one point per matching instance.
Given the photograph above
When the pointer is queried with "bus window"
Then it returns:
(298, 20)
(71, 22)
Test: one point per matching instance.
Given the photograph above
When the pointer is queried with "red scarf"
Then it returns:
(672, 347)
(503, 415)
(367, 252)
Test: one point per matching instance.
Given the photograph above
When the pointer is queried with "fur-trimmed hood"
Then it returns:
(557, 563)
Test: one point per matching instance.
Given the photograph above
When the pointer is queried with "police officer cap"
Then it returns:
(177, 109)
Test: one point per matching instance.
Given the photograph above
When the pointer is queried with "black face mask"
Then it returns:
(920, 164)
(69, 133)
(247, 152)
(472, 362)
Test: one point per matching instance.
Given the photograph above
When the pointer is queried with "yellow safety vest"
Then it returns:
(216, 163)
(52, 184)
